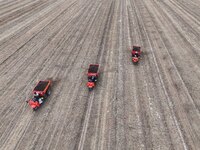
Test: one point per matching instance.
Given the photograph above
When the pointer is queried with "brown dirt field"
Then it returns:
(152, 105)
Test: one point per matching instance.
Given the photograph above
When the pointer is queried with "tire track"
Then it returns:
(148, 106)
(186, 98)
(25, 50)
(68, 71)
(83, 94)
(11, 16)
(100, 60)
(162, 82)
(77, 83)
(35, 74)
(167, 46)
(8, 4)
(25, 25)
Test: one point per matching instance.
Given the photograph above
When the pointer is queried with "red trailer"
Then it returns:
(40, 94)
(136, 52)
(93, 74)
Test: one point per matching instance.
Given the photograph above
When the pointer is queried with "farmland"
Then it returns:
(152, 105)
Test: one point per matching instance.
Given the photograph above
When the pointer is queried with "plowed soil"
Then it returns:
(152, 105)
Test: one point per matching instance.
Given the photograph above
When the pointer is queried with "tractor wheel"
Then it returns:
(48, 92)
(90, 89)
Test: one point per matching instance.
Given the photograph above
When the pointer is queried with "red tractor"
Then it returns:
(93, 73)
(40, 92)
(136, 52)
